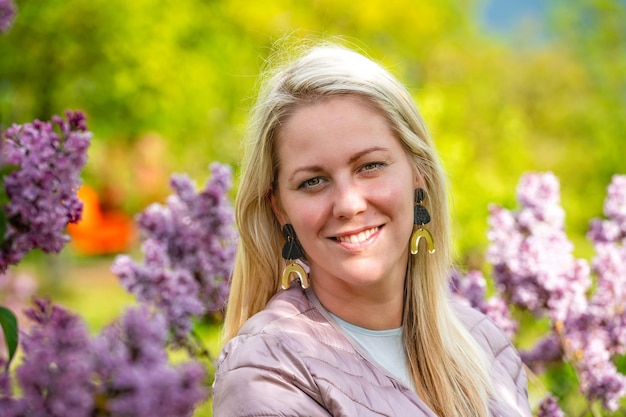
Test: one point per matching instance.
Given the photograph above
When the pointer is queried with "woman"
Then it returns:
(342, 202)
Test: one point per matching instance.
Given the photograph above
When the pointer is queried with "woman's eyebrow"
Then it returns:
(308, 168)
(318, 168)
(359, 154)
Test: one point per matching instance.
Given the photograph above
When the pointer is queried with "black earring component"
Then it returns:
(420, 218)
(421, 215)
(292, 251)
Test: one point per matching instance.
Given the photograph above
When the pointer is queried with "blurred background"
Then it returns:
(506, 87)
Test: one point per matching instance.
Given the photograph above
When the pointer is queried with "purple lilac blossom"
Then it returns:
(588, 346)
(189, 247)
(470, 289)
(600, 334)
(547, 350)
(123, 371)
(56, 357)
(136, 378)
(613, 229)
(549, 407)
(531, 255)
(534, 266)
(615, 203)
(49, 157)
(609, 265)
(7, 14)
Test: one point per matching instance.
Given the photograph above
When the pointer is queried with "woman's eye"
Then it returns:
(372, 166)
(311, 183)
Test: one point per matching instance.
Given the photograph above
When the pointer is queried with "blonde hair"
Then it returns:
(448, 367)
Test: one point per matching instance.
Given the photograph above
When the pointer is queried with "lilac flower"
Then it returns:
(599, 378)
(534, 267)
(7, 14)
(42, 190)
(470, 289)
(123, 371)
(549, 407)
(173, 290)
(136, 378)
(615, 203)
(600, 334)
(55, 376)
(531, 255)
(587, 346)
(609, 264)
(189, 246)
(613, 229)
(547, 350)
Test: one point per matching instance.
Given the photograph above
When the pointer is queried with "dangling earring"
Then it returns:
(421, 217)
(292, 251)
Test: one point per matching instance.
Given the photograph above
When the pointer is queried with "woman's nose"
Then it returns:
(349, 200)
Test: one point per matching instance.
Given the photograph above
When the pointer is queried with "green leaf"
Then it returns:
(3, 224)
(7, 169)
(8, 321)
(4, 197)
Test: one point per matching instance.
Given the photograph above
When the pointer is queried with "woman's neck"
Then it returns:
(368, 307)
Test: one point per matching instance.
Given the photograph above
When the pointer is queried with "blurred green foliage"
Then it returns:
(167, 86)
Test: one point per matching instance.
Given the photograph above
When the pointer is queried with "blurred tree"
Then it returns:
(185, 72)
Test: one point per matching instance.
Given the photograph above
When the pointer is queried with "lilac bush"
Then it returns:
(534, 270)
(189, 247)
(136, 377)
(599, 335)
(45, 160)
(531, 255)
(123, 371)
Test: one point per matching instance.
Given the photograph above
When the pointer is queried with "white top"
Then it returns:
(384, 346)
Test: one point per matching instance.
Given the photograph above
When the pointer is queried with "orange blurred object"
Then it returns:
(100, 232)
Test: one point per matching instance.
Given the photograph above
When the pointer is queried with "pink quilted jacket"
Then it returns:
(291, 359)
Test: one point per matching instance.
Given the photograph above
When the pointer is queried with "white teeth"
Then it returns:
(359, 237)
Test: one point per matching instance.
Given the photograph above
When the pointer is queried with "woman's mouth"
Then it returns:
(358, 237)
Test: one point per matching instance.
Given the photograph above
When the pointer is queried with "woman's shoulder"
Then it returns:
(289, 328)
(507, 370)
(284, 309)
(288, 357)
(263, 368)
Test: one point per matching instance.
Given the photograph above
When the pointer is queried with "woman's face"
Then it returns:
(346, 185)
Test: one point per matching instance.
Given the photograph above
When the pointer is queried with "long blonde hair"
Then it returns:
(448, 367)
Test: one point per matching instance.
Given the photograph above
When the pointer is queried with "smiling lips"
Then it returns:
(358, 237)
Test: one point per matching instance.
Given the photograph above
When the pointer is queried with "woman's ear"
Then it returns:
(277, 208)
(418, 179)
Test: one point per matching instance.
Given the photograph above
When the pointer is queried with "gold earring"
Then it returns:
(420, 218)
(292, 251)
